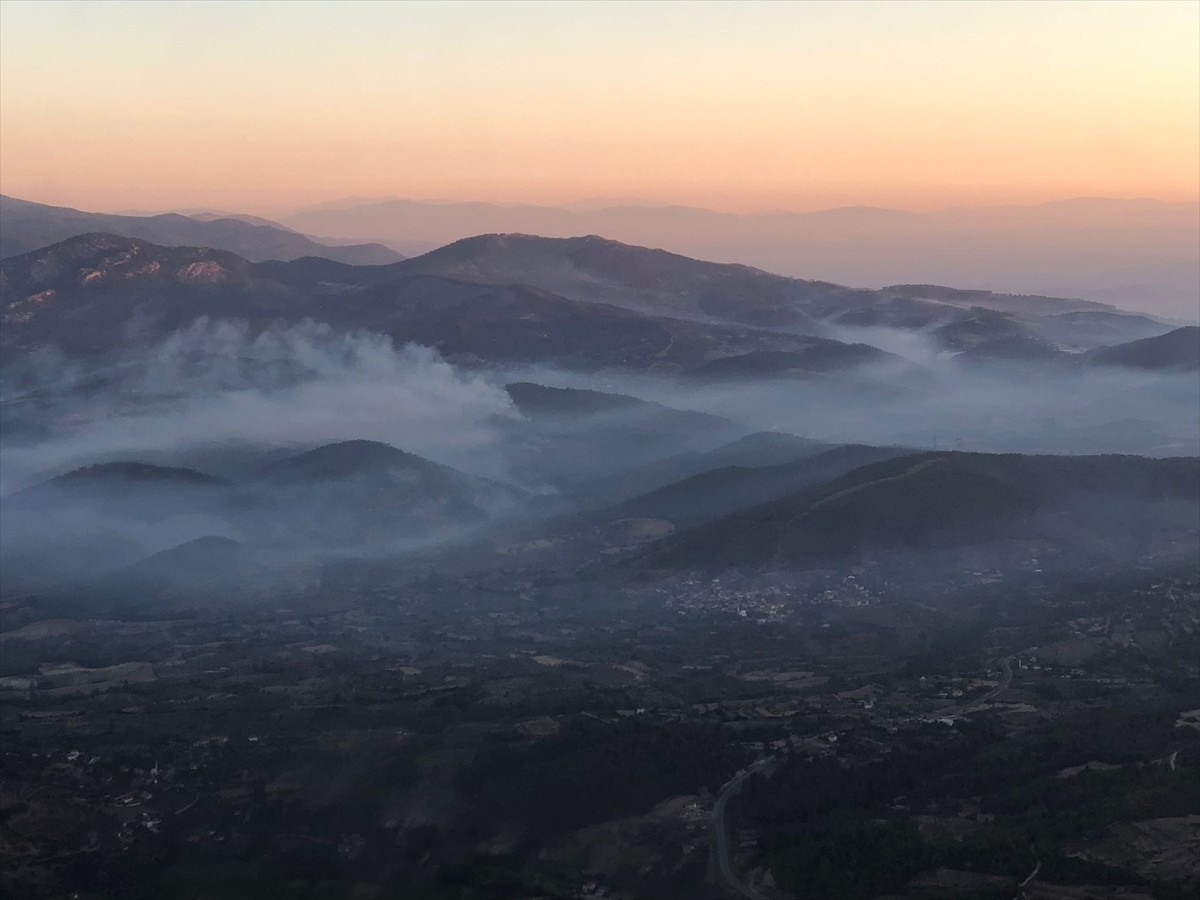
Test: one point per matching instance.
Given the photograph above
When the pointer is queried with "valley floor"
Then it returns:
(516, 733)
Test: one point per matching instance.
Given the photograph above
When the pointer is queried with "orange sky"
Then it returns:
(268, 106)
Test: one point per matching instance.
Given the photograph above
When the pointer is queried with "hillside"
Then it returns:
(133, 489)
(347, 459)
(600, 270)
(82, 294)
(210, 569)
(30, 226)
(539, 401)
(357, 494)
(1178, 350)
(369, 492)
(1131, 253)
(399, 478)
(570, 437)
(932, 500)
(604, 271)
(763, 448)
(133, 474)
(723, 490)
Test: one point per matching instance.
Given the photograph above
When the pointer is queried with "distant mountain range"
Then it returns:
(581, 303)
(81, 295)
(1138, 254)
(26, 226)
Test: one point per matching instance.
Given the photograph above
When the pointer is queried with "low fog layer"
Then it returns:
(240, 461)
(215, 385)
(940, 401)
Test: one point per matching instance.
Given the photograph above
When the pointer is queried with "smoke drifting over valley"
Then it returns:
(220, 384)
(216, 384)
(302, 444)
(439, 470)
(812, 512)
(998, 406)
(806, 535)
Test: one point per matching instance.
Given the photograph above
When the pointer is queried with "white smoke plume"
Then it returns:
(216, 383)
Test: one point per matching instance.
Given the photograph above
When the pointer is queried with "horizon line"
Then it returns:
(598, 204)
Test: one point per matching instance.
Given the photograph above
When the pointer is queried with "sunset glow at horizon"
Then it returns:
(734, 106)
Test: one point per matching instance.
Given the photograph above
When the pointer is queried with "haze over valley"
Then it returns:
(575, 427)
(618, 548)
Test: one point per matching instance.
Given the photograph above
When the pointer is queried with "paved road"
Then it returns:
(721, 830)
(1028, 878)
(1004, 682)
(959, 708)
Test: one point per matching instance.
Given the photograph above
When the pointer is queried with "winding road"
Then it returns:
(959, 708)
(721, 830)
(720, 826)
(1004, 682)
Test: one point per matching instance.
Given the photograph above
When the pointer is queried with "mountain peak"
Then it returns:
(134, 472)
(345, 458)
(1177, 350)
(29, 226)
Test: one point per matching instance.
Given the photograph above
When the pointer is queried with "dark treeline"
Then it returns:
(593, 771)
(831, 829)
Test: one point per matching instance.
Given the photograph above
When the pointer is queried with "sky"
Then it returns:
(270, 106)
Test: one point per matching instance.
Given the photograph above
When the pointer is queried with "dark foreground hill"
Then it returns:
(209, 569)
(762, 448)
(724, 490)
(932, 500)
(1177, 350)
(372, 492)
